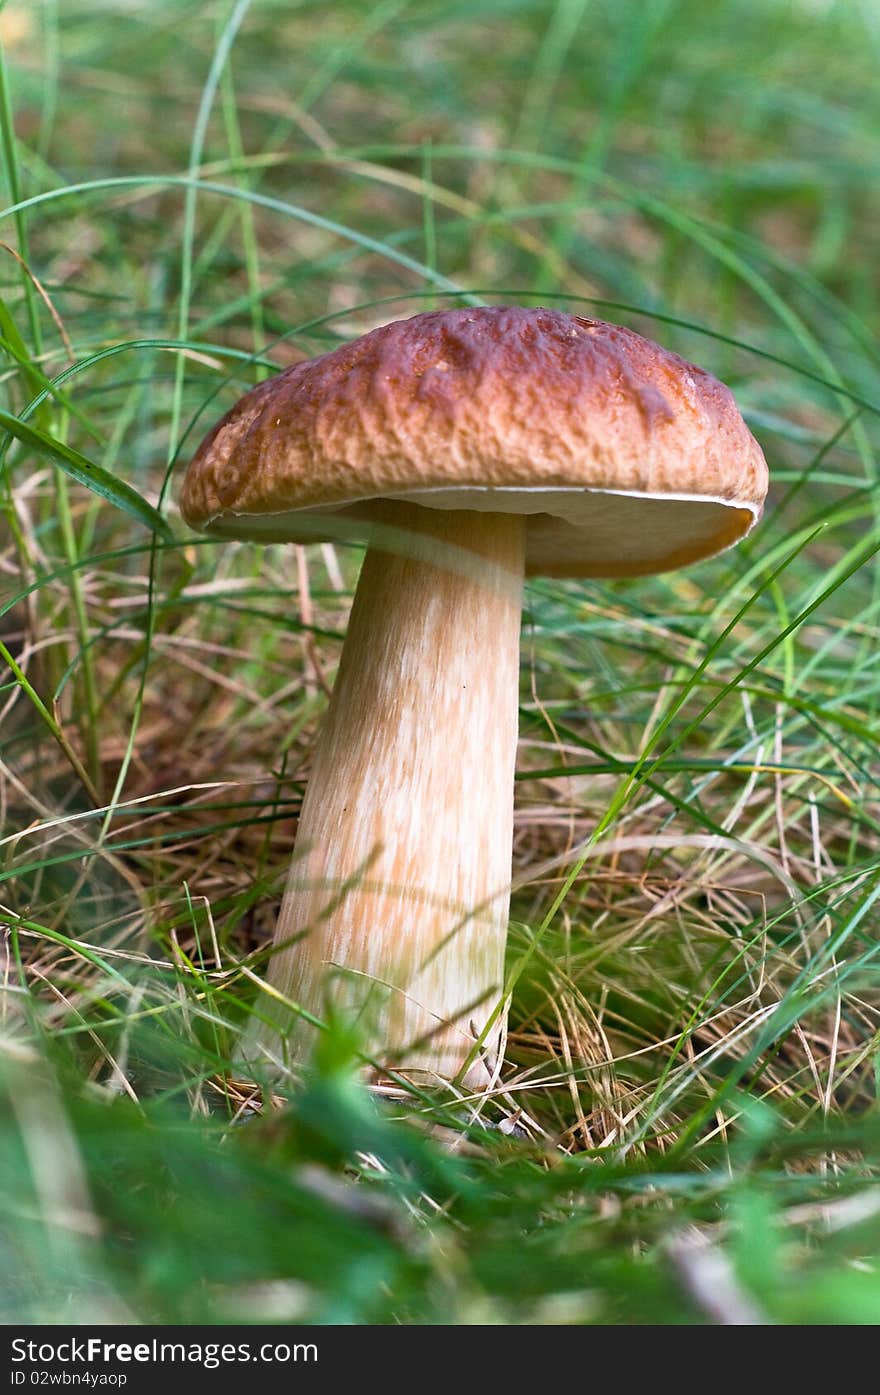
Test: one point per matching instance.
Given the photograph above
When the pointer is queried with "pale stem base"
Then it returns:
(397, 903)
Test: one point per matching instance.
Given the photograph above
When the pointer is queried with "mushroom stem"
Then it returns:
(397, 903)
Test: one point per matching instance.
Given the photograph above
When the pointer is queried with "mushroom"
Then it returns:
(468, 447)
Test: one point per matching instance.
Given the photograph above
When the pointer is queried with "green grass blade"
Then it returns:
(86, 472)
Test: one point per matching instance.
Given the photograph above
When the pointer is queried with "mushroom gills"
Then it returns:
(569, 532)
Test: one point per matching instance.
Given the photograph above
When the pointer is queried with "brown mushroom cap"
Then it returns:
(626, 458)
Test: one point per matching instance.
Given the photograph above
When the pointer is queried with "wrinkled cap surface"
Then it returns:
(625, 458)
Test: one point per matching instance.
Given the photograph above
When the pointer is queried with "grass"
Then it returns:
(201, 193)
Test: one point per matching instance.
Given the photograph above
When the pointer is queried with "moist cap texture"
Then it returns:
(625, 457)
